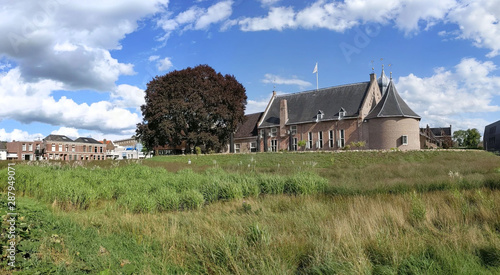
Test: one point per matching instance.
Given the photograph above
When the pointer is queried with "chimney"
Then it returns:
(283, 117)
(373, 77)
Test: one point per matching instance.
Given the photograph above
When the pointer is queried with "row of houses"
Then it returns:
(60, 147)
(366, 115)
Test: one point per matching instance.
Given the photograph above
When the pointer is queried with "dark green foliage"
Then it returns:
(489, 255)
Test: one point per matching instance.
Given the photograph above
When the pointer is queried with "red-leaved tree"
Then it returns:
(197, 106)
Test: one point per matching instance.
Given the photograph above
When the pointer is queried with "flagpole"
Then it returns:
(317, 85)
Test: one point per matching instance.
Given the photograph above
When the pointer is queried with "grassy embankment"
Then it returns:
(381, 213)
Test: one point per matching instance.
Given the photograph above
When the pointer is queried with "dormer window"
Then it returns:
(341, 113)
(319, 115)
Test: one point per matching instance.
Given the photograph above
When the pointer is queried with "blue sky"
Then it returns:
(80, 69)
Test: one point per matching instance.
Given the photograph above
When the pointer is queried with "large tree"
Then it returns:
(197, 106)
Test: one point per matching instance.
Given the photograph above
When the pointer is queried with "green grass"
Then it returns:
(326, 213)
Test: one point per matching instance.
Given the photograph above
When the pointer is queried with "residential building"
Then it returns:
(59, 147)
(24, 150)
(246, 139)
(440, 137)
(490, 137)
(3, 150)
(371, 114)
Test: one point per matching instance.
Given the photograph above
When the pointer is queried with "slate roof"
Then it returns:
(87, 140)
(303, 107)
(3, 145)
(442, 131)
(58, 138)
(392, 105)
(248, 128)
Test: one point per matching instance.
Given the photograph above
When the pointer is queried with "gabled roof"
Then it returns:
(248, 128)
(392, 105)
(58, 138)
(3, 145)
(441, 131)
(303, 107)
(86, 140)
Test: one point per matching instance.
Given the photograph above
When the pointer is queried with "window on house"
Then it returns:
(38, 146)
(253, 147)
(319, 115)
(95, 149)
(101, 149)
(330, 139)
(53, 147)
(237, 148)
(320, 140)
(274, 131)
(60, 147)
(341, 141)
(262, 133)
(404, 140)
(73, 148)
(294, 144)
(24, 147)
(30, 147)
(67, 148)
(341, 113)
(310, 140)
(293, 129)
(274, 145)
(89, 149)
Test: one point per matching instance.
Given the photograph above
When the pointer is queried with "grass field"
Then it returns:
(310, 213)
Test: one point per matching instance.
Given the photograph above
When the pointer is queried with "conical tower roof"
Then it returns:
(392, 105)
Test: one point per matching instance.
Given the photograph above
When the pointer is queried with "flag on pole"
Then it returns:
(315, 68)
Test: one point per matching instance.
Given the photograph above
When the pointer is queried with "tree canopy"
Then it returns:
(195, 106)
(469, 138)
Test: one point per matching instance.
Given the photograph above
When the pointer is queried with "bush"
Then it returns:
(191, 199)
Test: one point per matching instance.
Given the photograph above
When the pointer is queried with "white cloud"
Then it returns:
(29, 102)
(196, 18)
(278, 18)
(268, 2)
(153, 58)
(67, 131)
(456, 96)
(479, 21)
(164, 64)
(18, 135)
(127, 96)
(275, 79)
(69, 42)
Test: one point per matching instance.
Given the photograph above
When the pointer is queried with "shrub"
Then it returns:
(191, 199)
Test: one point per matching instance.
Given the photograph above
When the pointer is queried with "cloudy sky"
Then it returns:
(79, 68)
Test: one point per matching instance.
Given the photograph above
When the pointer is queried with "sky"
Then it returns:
(80, 68)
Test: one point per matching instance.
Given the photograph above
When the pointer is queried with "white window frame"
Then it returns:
(30, 147)
(309, 140)
(274, 132)
(293, 129)
(253, 146)
(294, 144)
(320, 140)
(274, 145)
(237, 148)
(404, 140)
(331, 143)
(60, 148)
(341, 140)
(24, 147)
(53, 147)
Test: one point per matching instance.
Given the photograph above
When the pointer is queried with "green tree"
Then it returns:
(459, 137)
(472, 139)
(195, 106)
